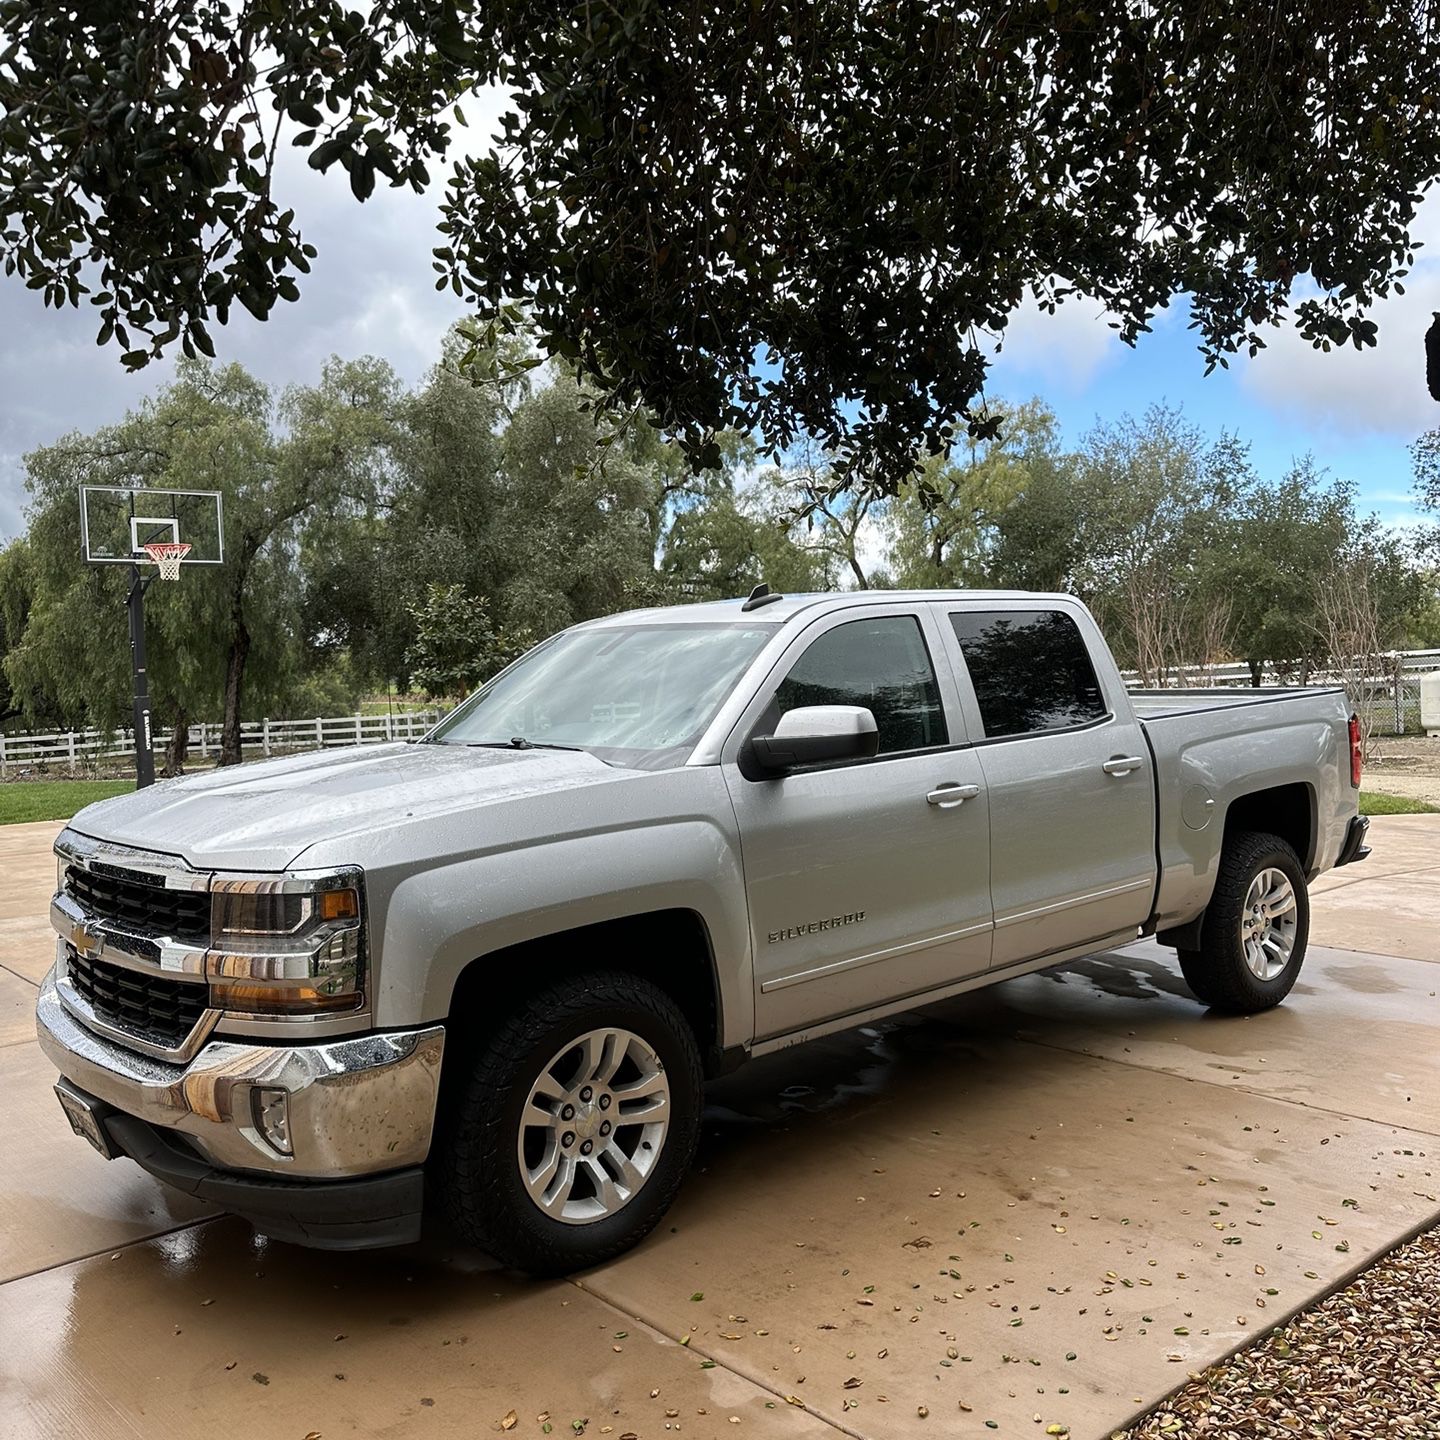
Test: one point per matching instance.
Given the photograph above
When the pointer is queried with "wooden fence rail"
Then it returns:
(76, 749)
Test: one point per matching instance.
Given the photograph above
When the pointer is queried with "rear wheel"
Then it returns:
(575, 1126)
(1252, 942)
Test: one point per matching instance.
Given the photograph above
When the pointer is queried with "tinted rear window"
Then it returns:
(1030, 669)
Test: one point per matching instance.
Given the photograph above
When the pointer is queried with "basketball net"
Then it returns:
(166, 555)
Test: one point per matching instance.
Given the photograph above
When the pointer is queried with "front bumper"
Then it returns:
(358, 1214)
(362, 1106)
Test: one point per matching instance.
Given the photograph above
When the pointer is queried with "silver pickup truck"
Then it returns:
(491, 970)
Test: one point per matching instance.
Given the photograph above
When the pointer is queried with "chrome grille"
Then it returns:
(139, 902)
(158, 1009)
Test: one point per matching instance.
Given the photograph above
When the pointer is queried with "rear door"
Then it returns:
(867, 881)
(1068, 774)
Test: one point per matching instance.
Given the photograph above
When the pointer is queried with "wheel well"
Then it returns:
(669, 948)
(1284, 810)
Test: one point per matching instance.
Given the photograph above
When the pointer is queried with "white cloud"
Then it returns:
(1062, 351)
(1376, 391)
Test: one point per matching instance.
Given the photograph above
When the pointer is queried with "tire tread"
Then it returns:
(474, 1158)
(1216, 972)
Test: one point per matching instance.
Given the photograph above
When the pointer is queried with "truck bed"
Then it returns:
(1165, 704)
(1212, 747)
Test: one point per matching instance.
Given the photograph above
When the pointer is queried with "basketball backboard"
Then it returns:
(116, 521)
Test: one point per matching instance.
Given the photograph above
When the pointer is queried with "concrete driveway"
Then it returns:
(1038, 1206)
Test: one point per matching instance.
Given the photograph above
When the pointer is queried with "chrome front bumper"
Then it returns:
(357, 1106)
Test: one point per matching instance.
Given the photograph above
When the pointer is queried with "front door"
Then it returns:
(867, 881)
(1069, 776)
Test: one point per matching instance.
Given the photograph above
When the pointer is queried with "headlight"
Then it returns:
(292, 945)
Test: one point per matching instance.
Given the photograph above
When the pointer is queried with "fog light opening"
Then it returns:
(271, 1110)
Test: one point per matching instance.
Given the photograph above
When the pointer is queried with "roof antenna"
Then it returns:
(759, 596)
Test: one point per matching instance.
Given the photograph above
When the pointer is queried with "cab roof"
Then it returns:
(785, 607)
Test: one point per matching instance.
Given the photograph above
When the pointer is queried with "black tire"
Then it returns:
(1217, 972)
(480, 1188)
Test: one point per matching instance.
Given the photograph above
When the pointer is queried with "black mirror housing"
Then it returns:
(814, 735)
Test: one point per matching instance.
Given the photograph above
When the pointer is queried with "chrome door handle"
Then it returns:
(1122, 764)
(948, 796)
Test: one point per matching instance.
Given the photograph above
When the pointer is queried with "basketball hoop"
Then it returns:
(166, 555)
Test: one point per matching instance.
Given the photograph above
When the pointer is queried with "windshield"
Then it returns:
(633, 695)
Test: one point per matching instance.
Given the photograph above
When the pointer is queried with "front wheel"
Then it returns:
(1252, 942)
(575, 1125)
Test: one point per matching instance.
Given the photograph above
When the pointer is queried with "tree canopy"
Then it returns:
(783, 219)
(382, 538)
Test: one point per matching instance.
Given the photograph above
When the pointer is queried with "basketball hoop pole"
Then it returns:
(135, 608)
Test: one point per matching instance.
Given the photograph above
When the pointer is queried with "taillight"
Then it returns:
(1357, 751)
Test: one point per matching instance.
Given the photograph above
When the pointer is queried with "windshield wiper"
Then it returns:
(519, 742)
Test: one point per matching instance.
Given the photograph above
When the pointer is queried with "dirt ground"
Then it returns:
(1407, 765)
(1034, 1210)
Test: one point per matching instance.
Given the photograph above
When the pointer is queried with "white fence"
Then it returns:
(75, 750)
(1389, 700)
(1412, 663)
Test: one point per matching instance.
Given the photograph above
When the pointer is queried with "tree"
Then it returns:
(17, 586)
(773, 218)
(1349, 626)
(1289, 539)
(456, 646)
(573, 523)
(429, 521)
(944, 522)
(729, 539)
(1132, 523)
(216, 429)
(1425, 456)
(836, 524)
(331, 456)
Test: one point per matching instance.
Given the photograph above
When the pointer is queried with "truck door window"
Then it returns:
(1030, 669)
(881, 664)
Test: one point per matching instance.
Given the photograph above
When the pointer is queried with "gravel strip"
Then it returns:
(1364, 1364)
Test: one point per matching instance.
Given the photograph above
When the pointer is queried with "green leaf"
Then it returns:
(328, 151)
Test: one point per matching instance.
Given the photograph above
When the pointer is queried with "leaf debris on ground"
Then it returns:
(1360, 1365)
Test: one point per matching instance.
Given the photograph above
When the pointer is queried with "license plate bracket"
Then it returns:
(84, 1115)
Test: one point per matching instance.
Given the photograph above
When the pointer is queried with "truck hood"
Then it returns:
(263, 816)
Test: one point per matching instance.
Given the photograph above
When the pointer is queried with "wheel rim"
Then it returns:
(1268, 925)
(593, 1126)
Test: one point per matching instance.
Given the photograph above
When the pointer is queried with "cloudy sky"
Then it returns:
(372, 292)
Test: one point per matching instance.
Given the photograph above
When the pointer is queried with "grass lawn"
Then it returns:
(54, 799)
(1373, 803)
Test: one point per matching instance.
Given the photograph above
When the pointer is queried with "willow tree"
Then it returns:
(775, 217)
(224, 635)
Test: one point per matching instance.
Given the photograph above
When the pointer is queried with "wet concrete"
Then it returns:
(224, 1335)
(930, 1215)
(59, 1199)
(1358, 1035)
(950, 1236)
(17, 1009)
(1387, 904)
(27, 879)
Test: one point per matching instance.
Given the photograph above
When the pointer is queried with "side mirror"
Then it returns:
(816, 733)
